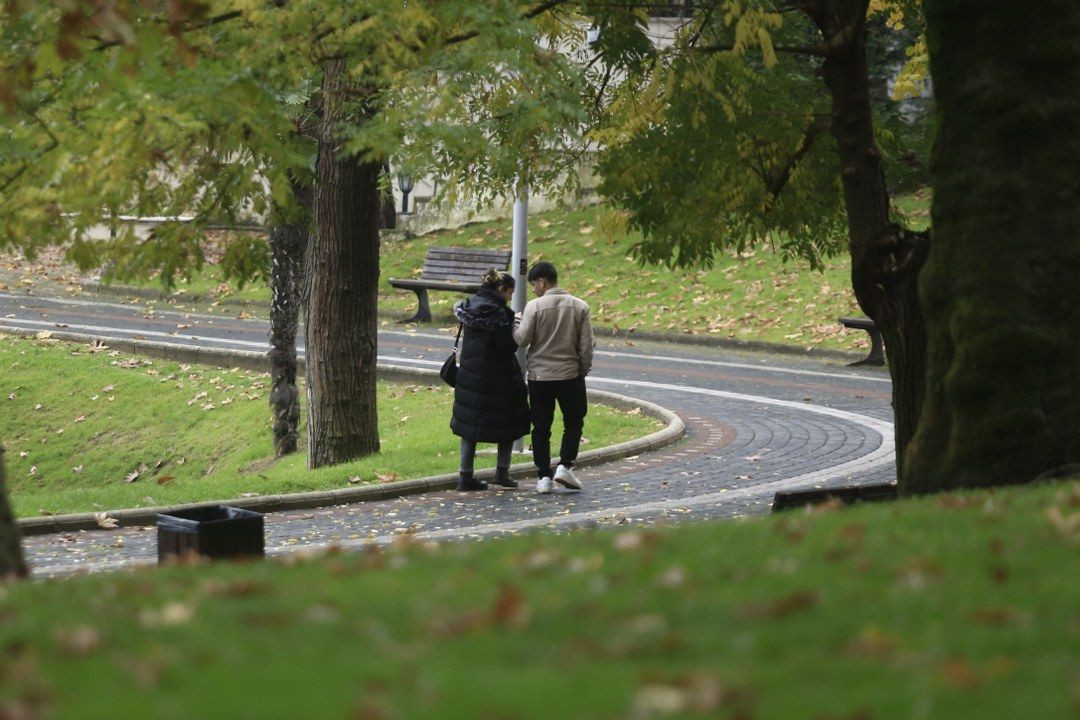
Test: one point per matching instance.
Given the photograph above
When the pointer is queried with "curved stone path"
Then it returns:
(755, 423)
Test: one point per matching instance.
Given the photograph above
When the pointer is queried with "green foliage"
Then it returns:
(722, 141)
(210, 115)
(246, 258)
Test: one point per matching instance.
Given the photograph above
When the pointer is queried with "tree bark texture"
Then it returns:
(1001, 287)
(12, 563)
(342, 268)
(288, 243)
(885, 258)
(387, 208)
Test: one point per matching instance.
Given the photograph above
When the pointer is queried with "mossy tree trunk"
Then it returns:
(885, 258)
(12, 563)
(1001, 288)
(288, 244)
(342, 278)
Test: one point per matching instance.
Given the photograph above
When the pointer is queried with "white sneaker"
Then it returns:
(543, 485)
(565, 477)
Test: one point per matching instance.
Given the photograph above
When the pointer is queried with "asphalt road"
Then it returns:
(756, 423)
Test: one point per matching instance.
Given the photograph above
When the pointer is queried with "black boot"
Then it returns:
(466, 481)
(502, 477)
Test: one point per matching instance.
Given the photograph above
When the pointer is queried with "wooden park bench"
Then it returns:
(450, 268)
(877, 347)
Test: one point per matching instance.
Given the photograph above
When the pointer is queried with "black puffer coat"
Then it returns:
(490, 399)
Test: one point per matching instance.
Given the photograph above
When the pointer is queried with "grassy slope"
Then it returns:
(67, 407)
(960, 606)
(756, 296)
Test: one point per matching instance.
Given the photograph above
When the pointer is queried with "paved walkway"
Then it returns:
(755, 424)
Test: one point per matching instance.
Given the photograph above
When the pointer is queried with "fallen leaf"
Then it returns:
(135, 474)
(793, 602)
(387, 477)
(354, 480)
(43, 335)
(77, 469)
(104, 521)
(996, 615)
(108, 388)
(165, 479)
(874, 644)
(1066, 524)
(673, 577)
(79, 641)
(510, 608)
(81, 418)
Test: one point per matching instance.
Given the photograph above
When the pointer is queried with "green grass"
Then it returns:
(959, 606)
(755, 296)
(77, 422)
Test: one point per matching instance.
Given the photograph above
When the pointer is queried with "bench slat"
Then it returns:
(458, 265)
(468, 251)
(502, 258)
(435, 285)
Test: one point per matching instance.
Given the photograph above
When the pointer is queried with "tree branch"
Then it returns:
(209, 22)
(821, 50)
(775, 185)
(538, 10)
(53, 144)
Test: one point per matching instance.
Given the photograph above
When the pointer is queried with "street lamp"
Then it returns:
(405, 184)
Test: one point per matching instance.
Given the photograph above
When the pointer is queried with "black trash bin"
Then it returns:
(215, 531)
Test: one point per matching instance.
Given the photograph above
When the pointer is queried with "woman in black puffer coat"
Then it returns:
(490, 398)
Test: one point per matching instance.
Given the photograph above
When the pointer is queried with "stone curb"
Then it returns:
(253, 360)
(600, 331)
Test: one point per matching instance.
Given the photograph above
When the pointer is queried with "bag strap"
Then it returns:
(460, 325)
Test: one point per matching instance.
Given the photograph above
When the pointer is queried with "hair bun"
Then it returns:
(491, 277)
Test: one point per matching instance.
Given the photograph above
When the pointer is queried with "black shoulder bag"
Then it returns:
(448, 371)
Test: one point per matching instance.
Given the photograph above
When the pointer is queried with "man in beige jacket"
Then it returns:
(556, 328)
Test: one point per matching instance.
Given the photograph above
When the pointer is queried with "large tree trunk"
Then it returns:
(343, 275)
(885, 259)
(288, 243)
(1000, 287)
(11, 554)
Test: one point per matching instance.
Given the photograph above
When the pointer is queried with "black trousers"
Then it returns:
(543, 396)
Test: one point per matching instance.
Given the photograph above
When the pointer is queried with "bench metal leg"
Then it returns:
(423, 312)
(877, 350)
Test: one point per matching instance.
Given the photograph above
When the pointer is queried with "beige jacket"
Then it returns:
(557, 329)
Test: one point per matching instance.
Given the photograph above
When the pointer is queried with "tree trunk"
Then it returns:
(1001, 285)
(11, 554)
(388, 210)
(288, 243)
(342, 269)
(885, 258)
